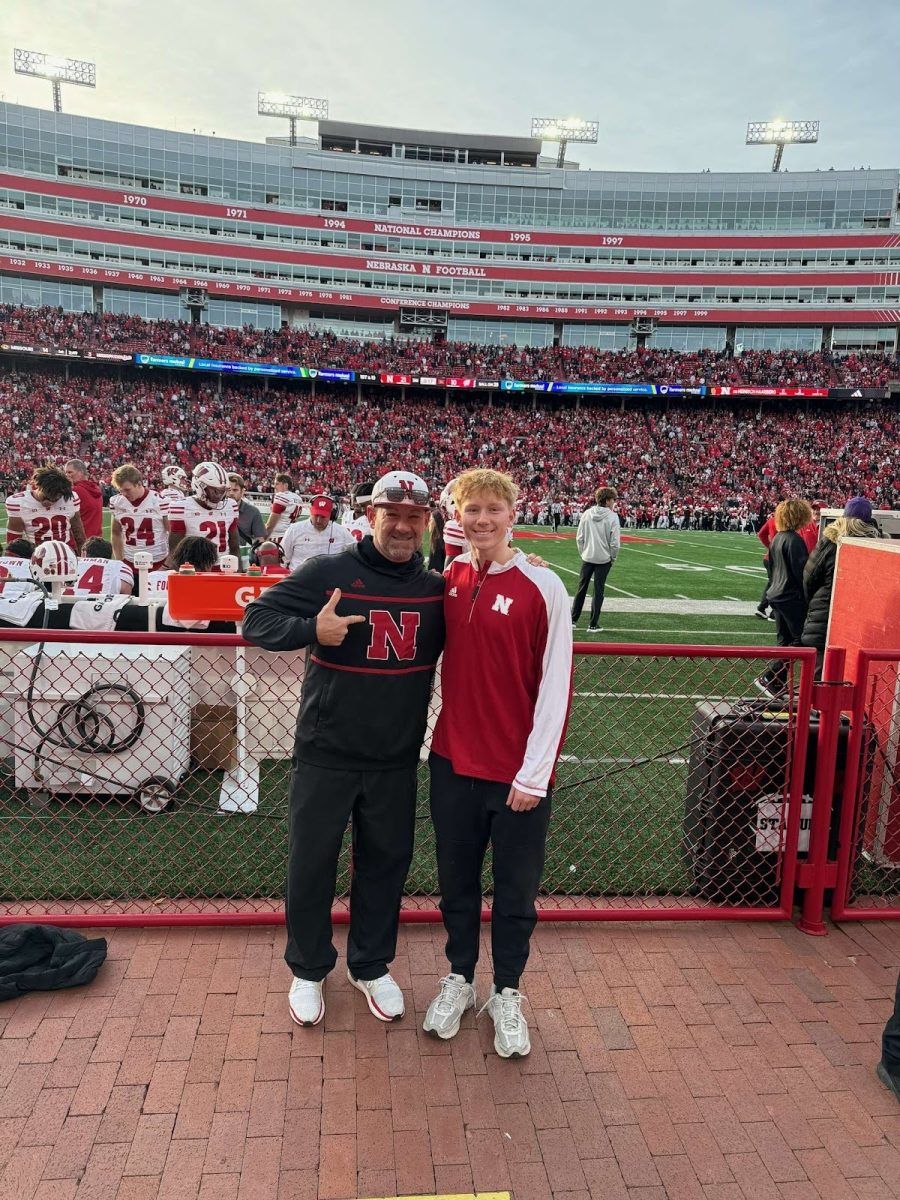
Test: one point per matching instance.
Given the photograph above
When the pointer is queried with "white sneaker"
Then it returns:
(383, 996)
(447, 1008)
(511, 1038)
(306, 1001)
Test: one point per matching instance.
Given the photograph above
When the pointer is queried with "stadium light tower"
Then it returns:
(57, 70)
(295, 108)
(779, 133)
(564, 130)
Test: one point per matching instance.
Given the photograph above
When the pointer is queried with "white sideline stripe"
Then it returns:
(660, 696)
(609, 762)
(578, 634)
(610, 587)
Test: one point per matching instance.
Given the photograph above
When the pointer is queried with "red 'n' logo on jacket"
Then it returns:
(387, 633)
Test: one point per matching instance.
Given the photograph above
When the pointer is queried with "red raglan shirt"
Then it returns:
(506, 676)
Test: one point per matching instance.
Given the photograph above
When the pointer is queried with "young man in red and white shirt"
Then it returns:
(209, 513)
(506, 686)
(138, 519)
(47, 510)
(287, 507)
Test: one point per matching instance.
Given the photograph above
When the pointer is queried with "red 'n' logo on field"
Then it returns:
(386, 633)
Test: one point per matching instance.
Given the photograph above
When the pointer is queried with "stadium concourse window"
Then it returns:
(775, 337)
(152, 306)
(500, 333)
(235, 314)
(866, 339)
(686, 338)
(603, 337)
(40, 293)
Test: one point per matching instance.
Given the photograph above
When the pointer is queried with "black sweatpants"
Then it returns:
(789, 618)
(890, 1040)
(598, 572)
(764, 598)
(382, 808)
(468, 814)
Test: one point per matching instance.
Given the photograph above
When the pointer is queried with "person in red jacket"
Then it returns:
(766, 533)
(506, 686)
(89, 495)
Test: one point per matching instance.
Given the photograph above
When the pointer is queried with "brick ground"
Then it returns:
(669, 1063)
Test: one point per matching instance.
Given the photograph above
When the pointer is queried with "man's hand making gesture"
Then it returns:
(330, 628)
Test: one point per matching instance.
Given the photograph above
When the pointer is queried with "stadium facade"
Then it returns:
(374, 230)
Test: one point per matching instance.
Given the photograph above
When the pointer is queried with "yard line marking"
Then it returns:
(736, 598)
(659, 696)
(682, 608)
(686, 561)
(610, 586)
(681, 596)
(757, 553)
(674, 761)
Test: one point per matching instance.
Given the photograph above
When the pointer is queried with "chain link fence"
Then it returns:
(146, 778)
(868, 877)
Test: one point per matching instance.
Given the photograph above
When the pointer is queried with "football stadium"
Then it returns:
(367, 490)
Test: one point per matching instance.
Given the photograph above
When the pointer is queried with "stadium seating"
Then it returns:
(732, 455)
(112, 331)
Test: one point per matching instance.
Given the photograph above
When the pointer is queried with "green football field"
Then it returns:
(621, 784)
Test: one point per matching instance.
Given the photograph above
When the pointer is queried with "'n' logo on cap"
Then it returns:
(406, 485)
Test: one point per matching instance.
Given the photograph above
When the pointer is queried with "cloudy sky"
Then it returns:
(672, 82)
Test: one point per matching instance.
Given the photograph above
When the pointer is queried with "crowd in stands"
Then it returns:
(658, 456)
(321, 349)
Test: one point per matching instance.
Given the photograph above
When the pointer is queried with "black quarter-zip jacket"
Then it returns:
(365, 702)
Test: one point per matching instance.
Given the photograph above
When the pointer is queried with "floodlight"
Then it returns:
(295, 108)
(55, 69)
(779, 133)
(564, 130)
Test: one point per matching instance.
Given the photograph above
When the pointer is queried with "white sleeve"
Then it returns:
(579, 536)
(615, 541)
(287, 545)
(554, 691)
(346, 537)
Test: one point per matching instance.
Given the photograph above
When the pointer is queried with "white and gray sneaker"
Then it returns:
(306, 1001)
(448, 1007)
(511, 1038)
(383, 996)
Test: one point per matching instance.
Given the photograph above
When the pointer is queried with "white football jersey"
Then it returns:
(143, 525)
(44, 523)
(169, 496)
(455, 541)
(303, 541)
(288, 507)
(102, 577)
(190, 518)
(359, 527)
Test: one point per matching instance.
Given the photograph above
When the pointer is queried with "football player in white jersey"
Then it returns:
(287, 507)
(209, 513)
(359, 524)
(46, 510)
(175, 486)
(319, 535)
(99, 574)
(454, 539)
(138, 520)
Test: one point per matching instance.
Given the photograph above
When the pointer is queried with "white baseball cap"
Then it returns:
(401, 487)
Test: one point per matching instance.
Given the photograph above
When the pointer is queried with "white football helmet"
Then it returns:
(447, 503)
(209, 482)
(53, 562)
(174, 477)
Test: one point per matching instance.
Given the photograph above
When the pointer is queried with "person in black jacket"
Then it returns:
(373, 619)
(818, 574)
(787, 558)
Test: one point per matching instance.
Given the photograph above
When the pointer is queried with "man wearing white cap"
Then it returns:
(373, 618)
(319, 535)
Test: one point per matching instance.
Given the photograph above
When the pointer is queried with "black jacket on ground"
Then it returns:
(41, 958)
(818, 580)
(787, 558)
(365, 702)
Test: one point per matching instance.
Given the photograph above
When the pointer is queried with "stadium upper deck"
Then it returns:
(411, 231)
